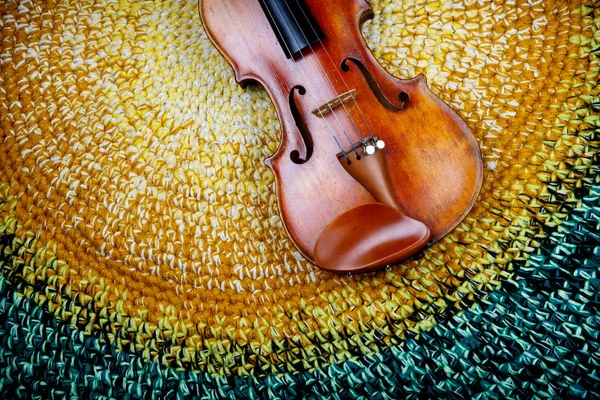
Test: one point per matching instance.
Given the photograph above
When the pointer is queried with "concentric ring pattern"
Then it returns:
(138, 220)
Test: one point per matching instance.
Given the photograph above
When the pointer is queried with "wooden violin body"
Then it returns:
(346, 209)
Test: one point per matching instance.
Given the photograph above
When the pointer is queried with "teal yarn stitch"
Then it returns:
(537, 337)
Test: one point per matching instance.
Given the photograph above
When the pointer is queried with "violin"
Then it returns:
(371, 168)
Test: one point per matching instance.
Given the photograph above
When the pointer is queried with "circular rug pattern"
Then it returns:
(136, 208)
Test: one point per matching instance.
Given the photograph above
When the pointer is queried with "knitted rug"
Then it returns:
(141, 251)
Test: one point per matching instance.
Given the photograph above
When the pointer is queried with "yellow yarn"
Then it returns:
(133, 171)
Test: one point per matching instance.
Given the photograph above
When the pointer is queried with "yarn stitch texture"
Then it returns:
(141, 250)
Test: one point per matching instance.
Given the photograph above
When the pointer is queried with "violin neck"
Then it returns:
(293, 24)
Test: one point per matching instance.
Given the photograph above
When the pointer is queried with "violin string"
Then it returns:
(318, 66)
(290, 52)
(322, 70)
(334, 67)
(343, 152)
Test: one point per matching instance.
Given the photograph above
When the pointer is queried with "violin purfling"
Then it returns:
(371, 168)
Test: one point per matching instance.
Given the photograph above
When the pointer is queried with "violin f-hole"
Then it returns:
(374, 86)
(295, 155)
(344, 218)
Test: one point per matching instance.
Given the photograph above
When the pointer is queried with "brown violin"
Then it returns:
(371, 168)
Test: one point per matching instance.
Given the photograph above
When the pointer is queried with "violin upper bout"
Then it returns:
(365, 11)
(421, 79)
(217, 18)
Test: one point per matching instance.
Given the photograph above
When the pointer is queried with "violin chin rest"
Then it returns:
(368, 237)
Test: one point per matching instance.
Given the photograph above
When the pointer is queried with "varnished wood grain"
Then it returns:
(433, 160)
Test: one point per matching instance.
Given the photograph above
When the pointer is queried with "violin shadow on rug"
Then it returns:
(142, 253)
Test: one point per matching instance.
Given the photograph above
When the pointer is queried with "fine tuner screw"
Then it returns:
(375, 144)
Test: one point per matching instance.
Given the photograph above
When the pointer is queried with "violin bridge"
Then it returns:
(336, 102)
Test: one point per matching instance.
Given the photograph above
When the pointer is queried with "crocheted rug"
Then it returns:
(141, 251)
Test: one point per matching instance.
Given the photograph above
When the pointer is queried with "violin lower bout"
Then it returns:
(429, 177)
(340, 219)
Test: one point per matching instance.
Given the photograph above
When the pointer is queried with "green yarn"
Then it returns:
(536, 337)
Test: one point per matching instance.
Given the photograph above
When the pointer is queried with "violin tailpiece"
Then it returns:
(327, 87)
(374, 234)
(371, 172)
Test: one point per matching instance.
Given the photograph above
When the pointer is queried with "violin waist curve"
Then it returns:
(431, 159)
